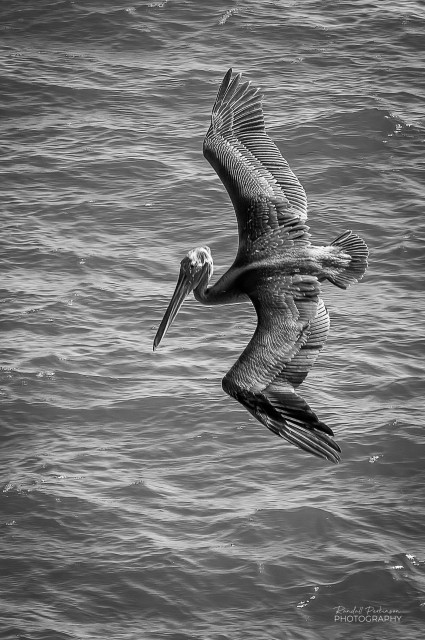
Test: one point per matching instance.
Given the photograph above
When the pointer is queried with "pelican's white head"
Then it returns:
(197, 264)
(196, 269)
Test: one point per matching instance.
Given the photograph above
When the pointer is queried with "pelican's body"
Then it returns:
(276, 268)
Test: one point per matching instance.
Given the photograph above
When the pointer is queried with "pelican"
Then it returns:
(276, 268)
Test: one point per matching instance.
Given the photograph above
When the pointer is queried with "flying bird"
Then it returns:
(276, 268)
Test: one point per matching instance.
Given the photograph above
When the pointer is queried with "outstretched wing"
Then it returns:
(291, 319)
(266, 194)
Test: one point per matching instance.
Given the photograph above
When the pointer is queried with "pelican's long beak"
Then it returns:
(183, 288)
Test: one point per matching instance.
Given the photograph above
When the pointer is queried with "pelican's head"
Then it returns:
(195, 269)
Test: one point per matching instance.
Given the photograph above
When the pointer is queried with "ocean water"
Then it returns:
(138, 501)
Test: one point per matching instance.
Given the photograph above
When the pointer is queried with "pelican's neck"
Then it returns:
(224, 291)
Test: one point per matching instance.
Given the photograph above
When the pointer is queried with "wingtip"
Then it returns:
(335, 457)
(227, 77)
(236, 101)
(288, 416)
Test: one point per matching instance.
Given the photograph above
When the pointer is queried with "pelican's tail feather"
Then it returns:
(349, 242)
(288, 416)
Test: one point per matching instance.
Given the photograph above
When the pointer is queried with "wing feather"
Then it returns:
(251, 167)
(285, 306)
(296, 370)
(292, 328)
